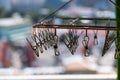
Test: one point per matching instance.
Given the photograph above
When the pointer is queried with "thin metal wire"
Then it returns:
(114, 4)
(50, 15)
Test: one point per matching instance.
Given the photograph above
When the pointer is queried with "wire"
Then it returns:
(115, 4)
(51, 14)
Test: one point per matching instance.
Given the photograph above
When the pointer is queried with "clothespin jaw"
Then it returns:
(109, 39)
(117, 54)
(56, 51)
(34, 48)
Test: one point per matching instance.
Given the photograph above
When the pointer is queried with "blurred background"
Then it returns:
(17, 57)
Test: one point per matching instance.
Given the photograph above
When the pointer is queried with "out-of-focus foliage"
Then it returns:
(4, 12)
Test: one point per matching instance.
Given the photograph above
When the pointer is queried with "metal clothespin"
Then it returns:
(41, 39)
(57, 53)
(34, 48)
(71, 42)
(109, 39)
(37, 42)
(85, 43)
(47, 34)
(67, 43)
(95, 35)
(55, 44)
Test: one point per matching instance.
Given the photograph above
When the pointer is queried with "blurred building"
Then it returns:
(31, 5)
(54, 4)
(13, 33)
(100, 4)
(27, 5)
(14, 26)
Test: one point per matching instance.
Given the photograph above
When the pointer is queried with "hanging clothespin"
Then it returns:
(55, 45)
(37, 42)
(47, 34)
(66, 41)
(95, 35)
(42, 41)
(109, 39)
(85, 43)
(34, 48)
(72, 38)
